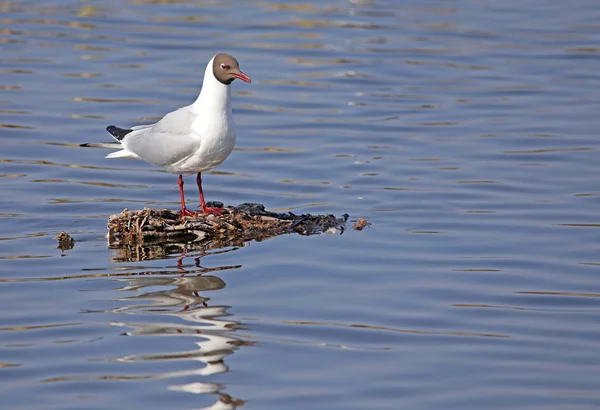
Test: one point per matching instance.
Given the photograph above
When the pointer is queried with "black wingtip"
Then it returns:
(117, 133)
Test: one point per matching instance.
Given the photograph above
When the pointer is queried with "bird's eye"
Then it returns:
(224, 66)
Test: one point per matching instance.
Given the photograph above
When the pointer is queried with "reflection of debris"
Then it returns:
(132, 252)
(65, 241)
(361, 223)
(237, 225)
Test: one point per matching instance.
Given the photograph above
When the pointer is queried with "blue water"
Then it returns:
(466, 131)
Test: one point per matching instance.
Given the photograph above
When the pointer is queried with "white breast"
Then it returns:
(218, 139)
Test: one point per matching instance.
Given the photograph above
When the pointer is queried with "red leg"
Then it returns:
(205, 209)
(184, 210)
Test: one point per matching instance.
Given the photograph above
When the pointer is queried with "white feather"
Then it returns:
(122, 154)
(192, 139)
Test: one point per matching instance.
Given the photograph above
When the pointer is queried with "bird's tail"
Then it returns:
(122, 154)
(117, 133)
(111, 145)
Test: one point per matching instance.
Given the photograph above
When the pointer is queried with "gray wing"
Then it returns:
(166, 142)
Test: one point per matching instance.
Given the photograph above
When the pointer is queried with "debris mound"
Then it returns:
(237, 224)
(65, 241)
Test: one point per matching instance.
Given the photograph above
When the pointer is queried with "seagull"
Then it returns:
(193, 139)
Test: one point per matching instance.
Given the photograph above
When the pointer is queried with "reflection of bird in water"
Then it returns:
(213, 334)
(184, 294)
(215, 344)
(225, 402)
(211, 352)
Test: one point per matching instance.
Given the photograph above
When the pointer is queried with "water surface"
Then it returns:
(466, 131)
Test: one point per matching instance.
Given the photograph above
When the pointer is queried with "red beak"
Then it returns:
(242, 77)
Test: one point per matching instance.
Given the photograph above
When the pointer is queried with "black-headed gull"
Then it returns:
(192, 139)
